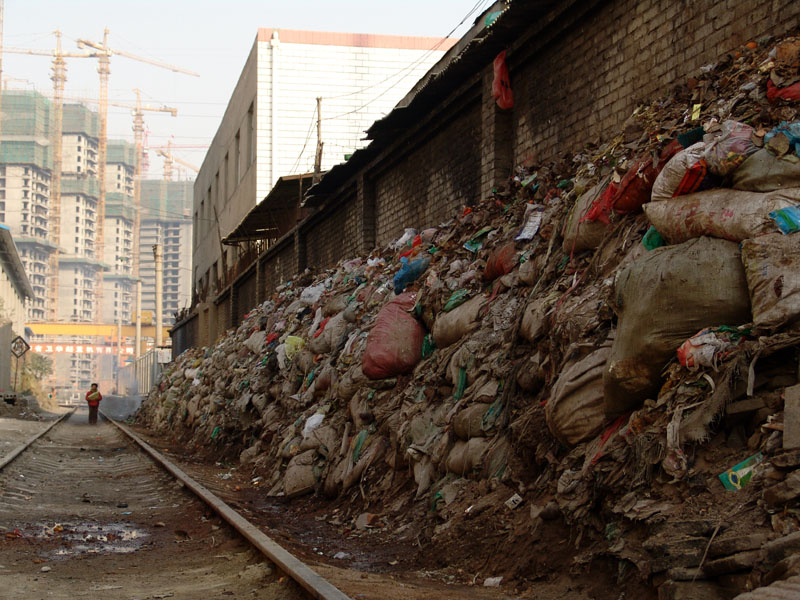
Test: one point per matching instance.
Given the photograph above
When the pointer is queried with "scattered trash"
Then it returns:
(514, 501)
(739, 475)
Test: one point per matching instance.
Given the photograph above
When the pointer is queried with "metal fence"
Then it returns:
(139, 378)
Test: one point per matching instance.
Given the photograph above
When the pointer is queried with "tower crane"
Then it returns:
(104, 54)
(59, 78)
(169, 158)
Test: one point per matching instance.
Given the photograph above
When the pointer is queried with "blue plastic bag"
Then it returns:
(787, 219)
(409, 273)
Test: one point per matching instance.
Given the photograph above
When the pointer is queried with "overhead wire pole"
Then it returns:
(318, 155)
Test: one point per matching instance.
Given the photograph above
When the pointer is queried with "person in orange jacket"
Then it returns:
(93, 398)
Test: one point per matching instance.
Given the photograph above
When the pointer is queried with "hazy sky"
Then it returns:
(209, 37)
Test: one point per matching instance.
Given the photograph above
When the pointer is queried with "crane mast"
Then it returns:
(59, 79)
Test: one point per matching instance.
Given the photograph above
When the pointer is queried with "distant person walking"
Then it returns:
(93, 398)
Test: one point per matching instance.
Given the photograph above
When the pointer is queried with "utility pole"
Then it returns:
(159, 292)
(318, 156)
(119, 341)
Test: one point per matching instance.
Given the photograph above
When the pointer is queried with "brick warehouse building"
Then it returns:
(577, 69)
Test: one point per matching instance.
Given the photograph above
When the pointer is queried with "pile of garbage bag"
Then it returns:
(609, 334)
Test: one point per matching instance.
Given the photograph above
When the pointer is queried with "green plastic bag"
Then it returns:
(456, 299)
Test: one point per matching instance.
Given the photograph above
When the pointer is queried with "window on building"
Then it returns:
(237, 155)
(251, 134)
(226, 175)
(216, 192)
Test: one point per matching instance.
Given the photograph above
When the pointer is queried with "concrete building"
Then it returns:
(25, 167)
(166, 220)
(15, 289)
(269, 126)
(118, 281)
(79, 264)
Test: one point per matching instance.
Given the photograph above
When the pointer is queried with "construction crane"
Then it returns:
(59, 78)
(170, 158)
(104, 54)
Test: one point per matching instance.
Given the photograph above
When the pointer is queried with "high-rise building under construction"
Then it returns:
(95, 279)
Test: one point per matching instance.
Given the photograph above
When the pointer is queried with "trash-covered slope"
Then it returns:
(605, 351)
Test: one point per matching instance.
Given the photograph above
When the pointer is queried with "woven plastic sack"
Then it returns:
(721, 213)
(394, 344)
(580, 234)
(663, 298)
(671, 178)
(452, 326)
(501, 261)
(772, 267)
(765, 172)
(734, 144)
(575, 411)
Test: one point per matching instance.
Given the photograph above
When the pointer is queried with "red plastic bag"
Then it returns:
(791, 93)
(501, 86)
(394, 344)
(692, 179)
(633, 190)
(500, 262)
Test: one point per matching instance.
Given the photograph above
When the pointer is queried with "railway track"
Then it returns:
(85, 514)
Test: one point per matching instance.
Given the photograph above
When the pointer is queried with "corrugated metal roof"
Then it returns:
(788, 589)
(263, 222)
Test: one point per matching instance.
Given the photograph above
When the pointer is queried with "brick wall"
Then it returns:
(431, 182)
(591, 69)
(333, 236)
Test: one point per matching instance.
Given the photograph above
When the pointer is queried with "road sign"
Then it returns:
(19, 346)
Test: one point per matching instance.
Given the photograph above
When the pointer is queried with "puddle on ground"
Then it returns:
(92, 538)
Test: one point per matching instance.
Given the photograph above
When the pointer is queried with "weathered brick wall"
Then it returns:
(279, 267)
(244, 296)
(587, 80)
(431, 182)
(333, 236)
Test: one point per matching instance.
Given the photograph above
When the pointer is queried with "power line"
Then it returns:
(474, 8)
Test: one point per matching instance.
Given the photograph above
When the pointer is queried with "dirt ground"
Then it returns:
(84, 514)
(445, 559)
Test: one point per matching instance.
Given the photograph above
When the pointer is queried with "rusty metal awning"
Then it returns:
(276, 214)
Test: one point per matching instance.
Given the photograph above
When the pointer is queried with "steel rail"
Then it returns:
(312, 582)
(20, 449)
